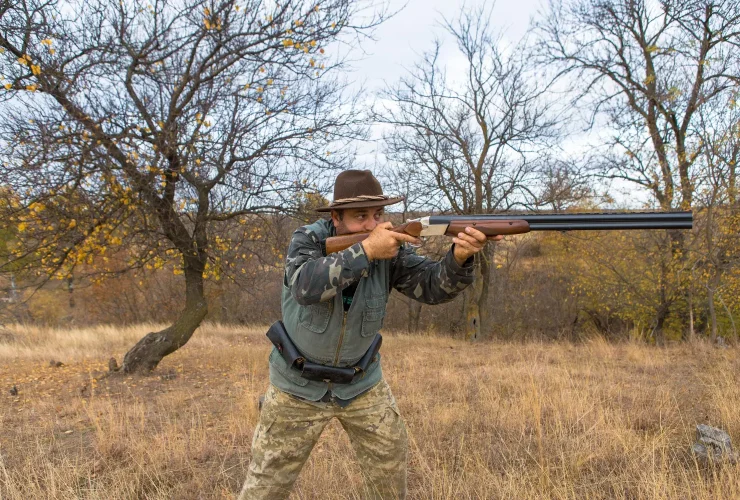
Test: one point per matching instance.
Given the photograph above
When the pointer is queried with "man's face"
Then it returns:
(357, 220)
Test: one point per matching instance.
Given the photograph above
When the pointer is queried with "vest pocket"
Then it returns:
(372, 316)
(316, 316)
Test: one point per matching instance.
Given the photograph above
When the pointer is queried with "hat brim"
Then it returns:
(361, 204)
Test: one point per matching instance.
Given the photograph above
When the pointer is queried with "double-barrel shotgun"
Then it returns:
(504, 224)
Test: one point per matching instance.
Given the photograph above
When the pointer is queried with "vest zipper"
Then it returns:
(341, 339)
(339, 346)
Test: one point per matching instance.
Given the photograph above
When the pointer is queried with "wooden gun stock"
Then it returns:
(338, 243)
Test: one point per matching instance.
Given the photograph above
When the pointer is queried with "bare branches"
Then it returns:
(470, 141)
(649, 68)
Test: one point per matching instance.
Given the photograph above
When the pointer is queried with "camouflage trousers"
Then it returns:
(289, 428)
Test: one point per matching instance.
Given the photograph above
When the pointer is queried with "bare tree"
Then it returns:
(146, 125)
(645, 70)
(468, 143)
(648, 68)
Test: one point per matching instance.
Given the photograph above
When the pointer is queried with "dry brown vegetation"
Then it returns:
(492, 420)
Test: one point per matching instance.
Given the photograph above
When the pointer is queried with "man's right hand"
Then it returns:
(384, 244)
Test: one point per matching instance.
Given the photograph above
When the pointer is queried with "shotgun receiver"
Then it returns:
(503, 224)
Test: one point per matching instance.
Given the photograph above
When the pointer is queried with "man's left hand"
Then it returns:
(470, 243)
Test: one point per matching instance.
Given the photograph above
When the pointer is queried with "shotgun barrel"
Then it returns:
(582, 221)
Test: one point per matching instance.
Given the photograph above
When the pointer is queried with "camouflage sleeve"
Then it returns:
(429, 281)
(313, 278)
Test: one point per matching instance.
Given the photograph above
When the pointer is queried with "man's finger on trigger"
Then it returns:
(406, 237)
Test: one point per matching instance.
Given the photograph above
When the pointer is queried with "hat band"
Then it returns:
(362, 197)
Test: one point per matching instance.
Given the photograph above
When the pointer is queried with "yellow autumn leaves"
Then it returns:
(210, 21)
(48, 42)
(27, 61)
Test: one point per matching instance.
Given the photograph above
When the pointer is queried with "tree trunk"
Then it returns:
(675, 244)
(475, 306)
(714, 280)
(472, 308)
(712, 314)
(414, 316)
(660, 317)
(729, 315)
(691, 310)
(149, 351)
(711, 290)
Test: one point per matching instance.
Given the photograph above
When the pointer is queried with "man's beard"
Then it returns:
(341, 228)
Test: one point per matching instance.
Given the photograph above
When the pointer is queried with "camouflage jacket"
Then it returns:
(312, 304)
(314, 277)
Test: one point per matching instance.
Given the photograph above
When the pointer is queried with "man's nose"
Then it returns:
(370, 224)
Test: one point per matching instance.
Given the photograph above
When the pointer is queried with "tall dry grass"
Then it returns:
(491, 420)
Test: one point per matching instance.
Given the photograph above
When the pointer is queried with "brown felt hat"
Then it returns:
(358, 189)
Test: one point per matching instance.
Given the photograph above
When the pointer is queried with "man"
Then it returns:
(333, 307)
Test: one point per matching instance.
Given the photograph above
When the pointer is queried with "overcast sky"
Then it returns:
(402, 39)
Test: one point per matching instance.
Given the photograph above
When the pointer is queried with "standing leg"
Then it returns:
(378, 435)
(287, 431)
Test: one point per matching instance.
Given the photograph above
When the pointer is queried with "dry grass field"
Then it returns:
(485, 421)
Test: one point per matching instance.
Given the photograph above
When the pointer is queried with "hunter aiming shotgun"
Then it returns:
(325, 363)
(505, 224)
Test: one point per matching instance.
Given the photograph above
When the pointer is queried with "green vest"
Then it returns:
(325, 334)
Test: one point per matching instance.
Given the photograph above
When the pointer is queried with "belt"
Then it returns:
(279, 337)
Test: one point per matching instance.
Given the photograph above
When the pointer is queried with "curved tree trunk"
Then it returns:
(472, 309)
(475, 307)
(149, 351)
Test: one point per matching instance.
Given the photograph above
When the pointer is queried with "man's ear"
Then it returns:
(335, 217)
